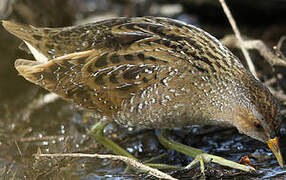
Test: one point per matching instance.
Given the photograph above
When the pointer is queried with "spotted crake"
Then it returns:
(150, 72)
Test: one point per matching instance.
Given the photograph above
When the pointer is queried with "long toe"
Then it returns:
(208, 158)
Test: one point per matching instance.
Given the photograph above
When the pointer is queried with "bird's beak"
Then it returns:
(273, 144)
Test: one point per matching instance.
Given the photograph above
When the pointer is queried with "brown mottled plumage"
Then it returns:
(149, 72)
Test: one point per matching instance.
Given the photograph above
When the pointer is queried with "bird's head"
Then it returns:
(257, 116)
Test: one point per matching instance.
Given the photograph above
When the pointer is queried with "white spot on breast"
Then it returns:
(167, 97)
(163, 102)
(131, 108)
(132, 100)
(165, 82)
(140, 106)
(171, 73)
(172, 90)
(157, 92)
(143, 94)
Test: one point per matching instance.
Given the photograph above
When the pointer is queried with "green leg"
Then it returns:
(96, 131)
(199, 155)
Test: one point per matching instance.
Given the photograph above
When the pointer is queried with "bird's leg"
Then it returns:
(199, 155)
(96, 131)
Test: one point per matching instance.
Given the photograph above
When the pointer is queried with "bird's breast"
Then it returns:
(178, 102)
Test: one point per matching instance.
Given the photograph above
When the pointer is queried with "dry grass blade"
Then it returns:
(238, 36)
(258, 45)
(132, 162)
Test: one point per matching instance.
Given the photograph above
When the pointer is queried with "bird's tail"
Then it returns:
(33, 37)
(24, 32)
(62, 75)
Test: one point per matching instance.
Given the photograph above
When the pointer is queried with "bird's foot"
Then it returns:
(209, 158)
(199, 155)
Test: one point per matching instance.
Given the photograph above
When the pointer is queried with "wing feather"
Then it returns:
(130, 57)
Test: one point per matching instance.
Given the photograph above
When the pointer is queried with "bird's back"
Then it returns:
(147, 72)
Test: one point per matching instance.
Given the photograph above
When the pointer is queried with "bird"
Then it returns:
(151, 72)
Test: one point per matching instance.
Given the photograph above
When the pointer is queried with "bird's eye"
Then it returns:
(257, 125)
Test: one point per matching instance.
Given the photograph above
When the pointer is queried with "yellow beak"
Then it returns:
(273, 144)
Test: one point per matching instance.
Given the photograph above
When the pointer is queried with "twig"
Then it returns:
(134, 163)
(46, 138)
(280, 95)
(37, 104)
(258, 45)
(279, 45)
(18, 148)
(238, 36)
(269, 82)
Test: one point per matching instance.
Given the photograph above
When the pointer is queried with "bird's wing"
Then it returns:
(130, 56)
(97, 80)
